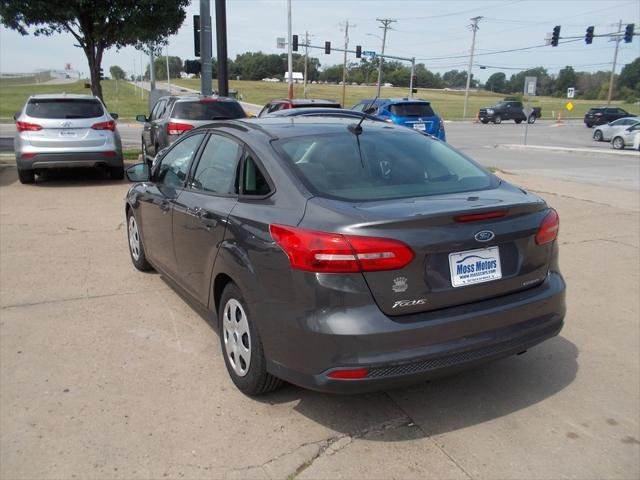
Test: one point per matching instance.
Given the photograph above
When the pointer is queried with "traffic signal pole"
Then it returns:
(221, 39)
(616, 39)
(413, 72)
(205, 48)
(290, 51)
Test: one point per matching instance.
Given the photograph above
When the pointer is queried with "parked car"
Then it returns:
(626, 137)
(346, 259)
(284, 104)
(323, 112)
(602, 115)
(412, 113)
(64, 130)
(604, 133)
(508, 110)
(172, 116)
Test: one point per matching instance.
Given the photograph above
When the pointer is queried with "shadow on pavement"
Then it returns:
(63, 177)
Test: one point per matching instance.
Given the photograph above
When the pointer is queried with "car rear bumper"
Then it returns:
(69, 159)
(429, 345)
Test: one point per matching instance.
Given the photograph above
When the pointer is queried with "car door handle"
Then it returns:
(203, 215)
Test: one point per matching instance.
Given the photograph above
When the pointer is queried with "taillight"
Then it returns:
(178, 128)
(548, 230)
(474, 217)
(441, 124)
(27, 127)
(337, 253)
(109, 125)
(349, 374)
(109, 153)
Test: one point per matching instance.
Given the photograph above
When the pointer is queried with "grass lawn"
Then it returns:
(127, 103)
(448, 104)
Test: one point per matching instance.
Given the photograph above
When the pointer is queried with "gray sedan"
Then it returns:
(605, 133)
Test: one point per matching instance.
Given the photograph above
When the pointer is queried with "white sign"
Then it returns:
(571, 91)
(475, 266)
(530, 86)
(280, 43)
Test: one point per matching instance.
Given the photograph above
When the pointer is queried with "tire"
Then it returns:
(597, 135)
(116, 173)
(136, 249)
(485, 121)
(241, 345)
(531, 120)
(617, 143)
(588, 125)
(26, 176)
(497, 119)
(519, 121)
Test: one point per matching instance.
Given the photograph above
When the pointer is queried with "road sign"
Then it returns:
(571, 92)
(569, 106)
(528, 110)
(280, 42)
(530, 86)
(368, 53)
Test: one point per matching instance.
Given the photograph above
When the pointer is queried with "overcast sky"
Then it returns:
(435, 32)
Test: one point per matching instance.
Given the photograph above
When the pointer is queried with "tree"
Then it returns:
(496, 83)
(97, 25)
(175, 67)
(117, 73)
(566, 78)
(630, 77)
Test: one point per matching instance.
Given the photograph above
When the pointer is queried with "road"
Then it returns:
(106, 372)
(486, 144)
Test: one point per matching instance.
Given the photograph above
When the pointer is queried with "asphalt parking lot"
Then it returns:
(106, 372)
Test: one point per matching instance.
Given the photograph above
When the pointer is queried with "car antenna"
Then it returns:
(357, 129)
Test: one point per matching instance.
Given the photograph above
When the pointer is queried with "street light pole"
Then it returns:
(385, 26)
(290, 51)
(168, 77)
(306, 59)
(205, 48)
(615, 59)
(474, 29)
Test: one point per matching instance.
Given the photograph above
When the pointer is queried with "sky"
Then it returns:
(437, 33)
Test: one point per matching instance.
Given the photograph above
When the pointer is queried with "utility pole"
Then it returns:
(344, 64)
(152, 69)
(205, 48)
(385, 26)
(168, 77)
(474, 29)
(413, 72)
(221, 39)
(306, 59)
(290, 51)
(616, 39)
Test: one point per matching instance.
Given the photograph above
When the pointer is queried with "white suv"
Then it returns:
(63, 130)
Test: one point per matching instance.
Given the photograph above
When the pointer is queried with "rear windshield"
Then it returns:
(412, 110)
(388, 164)
(64, 108)
(204, 110)
(596, 110)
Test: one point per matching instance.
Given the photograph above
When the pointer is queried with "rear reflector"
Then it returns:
(27, 127)
(28, 155)
(178, 128)
(349, 374)
(110, 153)
(474, 217)
(110, 125)
(336, 253)
(549, 228)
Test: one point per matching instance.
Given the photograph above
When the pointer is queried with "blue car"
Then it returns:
(412, 113)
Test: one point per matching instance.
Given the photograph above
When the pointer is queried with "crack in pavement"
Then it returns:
(71, 299)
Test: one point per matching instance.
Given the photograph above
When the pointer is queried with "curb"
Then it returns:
(624, 153)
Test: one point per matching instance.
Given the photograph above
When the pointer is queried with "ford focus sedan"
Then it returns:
(346, 256)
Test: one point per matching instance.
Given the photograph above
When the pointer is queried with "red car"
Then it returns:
(284, 104)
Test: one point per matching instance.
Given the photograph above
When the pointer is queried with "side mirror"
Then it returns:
(114, 115)
(142, 118)
(16, 115)
(138, 172)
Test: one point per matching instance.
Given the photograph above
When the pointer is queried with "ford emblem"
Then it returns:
(484, 236)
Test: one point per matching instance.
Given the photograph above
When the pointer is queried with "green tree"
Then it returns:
(566, 78)
(175, 67)
(117, 73)
(497, 82)
(630, 77)
(97, 25)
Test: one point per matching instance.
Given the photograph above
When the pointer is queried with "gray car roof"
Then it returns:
(50, 96)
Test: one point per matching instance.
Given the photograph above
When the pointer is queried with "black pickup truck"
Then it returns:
(508, 111)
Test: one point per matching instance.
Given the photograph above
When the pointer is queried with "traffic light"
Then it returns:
(101, 74)
(196, 35)
(295, 43)
(555, 36)
(588, 37)
(414, 84)
(628, 33)
(192, 66)
(358, 51)
(327, 47)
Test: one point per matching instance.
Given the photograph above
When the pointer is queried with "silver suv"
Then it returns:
(172, 116)
(63, 130)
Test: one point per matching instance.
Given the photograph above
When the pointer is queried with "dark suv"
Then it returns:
(172, 116)
(602, 115)
(277, 105)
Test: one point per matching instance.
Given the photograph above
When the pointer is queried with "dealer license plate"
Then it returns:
(475, 266)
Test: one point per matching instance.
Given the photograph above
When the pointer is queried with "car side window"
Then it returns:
(359, 107)
(218, 165)
(158, 110)
(174, 166)
(254, 181)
